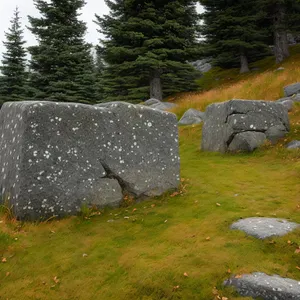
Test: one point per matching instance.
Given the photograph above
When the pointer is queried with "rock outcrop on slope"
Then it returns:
(242, 125)
(55, 157)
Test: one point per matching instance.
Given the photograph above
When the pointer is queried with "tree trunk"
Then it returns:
(281, 47)
(244, 64)
(155, 86)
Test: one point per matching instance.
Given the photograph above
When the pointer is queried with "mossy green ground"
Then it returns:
(148, 247)
(146, 255)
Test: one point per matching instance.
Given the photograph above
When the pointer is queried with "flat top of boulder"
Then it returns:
(265, 286)
(262, 228)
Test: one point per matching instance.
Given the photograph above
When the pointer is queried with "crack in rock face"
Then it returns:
(56, 157)
(243, 125)
(266, 287)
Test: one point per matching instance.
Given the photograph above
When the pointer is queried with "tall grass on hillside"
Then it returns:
(267, 85)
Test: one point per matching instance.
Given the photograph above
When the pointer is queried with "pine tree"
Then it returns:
(61, 63)
(147, 46)
(232, 32)
(13, 81)
(283, 16)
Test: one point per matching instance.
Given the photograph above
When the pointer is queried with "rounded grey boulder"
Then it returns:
(223, 121)
(192, 116)
(293, 145)
(292, 89)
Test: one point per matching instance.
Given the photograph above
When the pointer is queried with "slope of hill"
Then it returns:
(178, 246)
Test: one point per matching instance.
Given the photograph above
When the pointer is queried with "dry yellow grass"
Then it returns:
(264, 86)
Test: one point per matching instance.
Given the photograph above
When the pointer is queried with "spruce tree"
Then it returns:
(13, 81)
(147, 46)
(283, 16)
(61, 63)
(232, 32)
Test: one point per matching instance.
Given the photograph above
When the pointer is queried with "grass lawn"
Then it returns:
(174, 246)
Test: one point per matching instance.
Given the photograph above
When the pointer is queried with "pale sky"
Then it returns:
(26, 7)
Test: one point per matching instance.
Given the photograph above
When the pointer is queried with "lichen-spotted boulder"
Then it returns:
(225, 122)
(263, 286)
(55, 157)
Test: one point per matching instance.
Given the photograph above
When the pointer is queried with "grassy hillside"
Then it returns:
(175, 246)
(264, 84)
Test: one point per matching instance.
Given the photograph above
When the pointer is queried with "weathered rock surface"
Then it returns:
(288, 104)
(263, 228)
(247, 141)
(293, 145)
(294, 98)
(202, 65)
(55, 157)
(163, 106)
(266, 287)
(223, 121)
(192, 116)
(151, 101)
(292, 89)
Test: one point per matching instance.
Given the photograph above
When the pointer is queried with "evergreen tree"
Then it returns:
(147, 46)
(61, 63)
(233, 32)
(283, 16)
(13, 81)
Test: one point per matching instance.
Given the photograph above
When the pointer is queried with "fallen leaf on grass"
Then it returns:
(218, 204)
(298, 268)
(224, 298)
(208, 238)
(56, 280)
(152, 205)
(175, 288)
(185, 274)
(84, 255)
(4, 260)
(215, 291)
(297, 251)
(228, 271)
(174, 194)
(7, 274)
(135, 209)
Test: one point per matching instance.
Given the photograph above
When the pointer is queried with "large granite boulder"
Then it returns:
(263, 286)
(292, 89)
(224, 121)
(191, 117)
(55, 157)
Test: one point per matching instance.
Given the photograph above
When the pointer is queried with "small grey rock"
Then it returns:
(247, 141)
(151, 101)
(192, 116)
(263, 228)
(293, 145)
(288, 104)
(266, 287)
(292, 89)
(163, 106)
